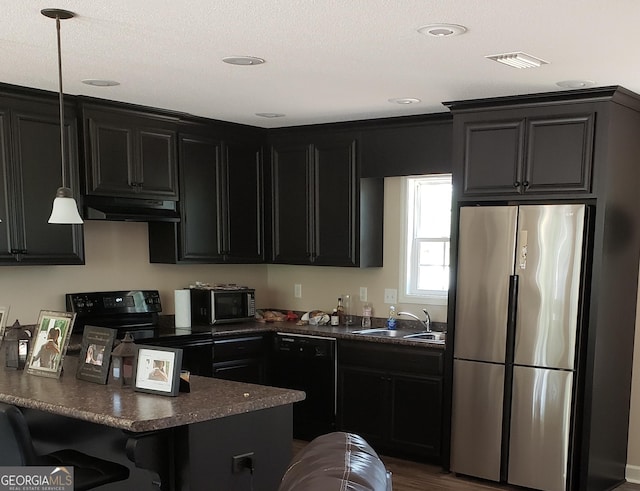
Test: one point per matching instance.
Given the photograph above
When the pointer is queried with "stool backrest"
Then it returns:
(16, 447)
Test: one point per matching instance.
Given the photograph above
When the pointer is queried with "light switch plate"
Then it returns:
(297, 290)
(390, 295)
(363, 293)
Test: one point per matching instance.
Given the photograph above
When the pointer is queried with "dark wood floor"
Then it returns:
(413, 476)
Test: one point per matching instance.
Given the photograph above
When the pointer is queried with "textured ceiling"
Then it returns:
(326, 61)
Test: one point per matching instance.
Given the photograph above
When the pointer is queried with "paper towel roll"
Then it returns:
(183, 308)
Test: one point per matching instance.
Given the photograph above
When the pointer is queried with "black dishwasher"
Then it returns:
(308, 363)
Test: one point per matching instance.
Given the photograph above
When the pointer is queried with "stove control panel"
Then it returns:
(114, 302)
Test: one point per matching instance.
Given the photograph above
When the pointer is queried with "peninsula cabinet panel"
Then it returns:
(548, 152)
(129, 153)
(31, 173)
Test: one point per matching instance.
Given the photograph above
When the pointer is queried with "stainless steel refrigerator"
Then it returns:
(517, 320)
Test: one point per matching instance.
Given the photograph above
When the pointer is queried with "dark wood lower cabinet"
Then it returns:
(250, 370)
(416, 413)
(392, 396)
(242, 358)
(361, 403)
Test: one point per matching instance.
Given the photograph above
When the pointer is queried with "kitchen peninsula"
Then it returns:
(189, 440)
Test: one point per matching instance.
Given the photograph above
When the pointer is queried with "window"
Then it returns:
(427, 214)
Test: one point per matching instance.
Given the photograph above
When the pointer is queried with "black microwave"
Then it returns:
(222, 305)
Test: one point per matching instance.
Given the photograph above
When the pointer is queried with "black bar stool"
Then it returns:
(16, 449)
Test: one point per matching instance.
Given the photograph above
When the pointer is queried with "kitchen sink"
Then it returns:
(382, 331)
(432, 337)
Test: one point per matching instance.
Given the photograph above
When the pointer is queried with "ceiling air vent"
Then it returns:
(518, 60)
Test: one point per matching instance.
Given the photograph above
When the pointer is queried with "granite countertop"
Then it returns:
(127, 409)
(341, 332)
(166, 331)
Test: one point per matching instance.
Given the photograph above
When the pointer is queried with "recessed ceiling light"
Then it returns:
(442, 30)
(576, 84)
(270, 115)
(243, 60)
(96, 82)
(518, 60)
(404, 100)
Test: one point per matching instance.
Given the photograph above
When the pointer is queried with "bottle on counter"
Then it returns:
(391, 321)
(335, 318)
(348, 313)
(366, 315)
(340, 310)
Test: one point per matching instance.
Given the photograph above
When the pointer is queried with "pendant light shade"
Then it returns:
(65, 209)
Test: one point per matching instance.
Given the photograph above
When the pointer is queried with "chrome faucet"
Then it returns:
(426, 323)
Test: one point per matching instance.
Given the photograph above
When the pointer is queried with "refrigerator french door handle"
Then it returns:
(512, 310)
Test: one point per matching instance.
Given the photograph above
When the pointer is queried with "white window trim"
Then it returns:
(434, 299)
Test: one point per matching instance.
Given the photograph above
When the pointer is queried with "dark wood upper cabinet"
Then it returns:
(405, 146)
(542, 151)
(244, 201)
(129, 153)
(221, 205)
(31, 172)
(321, 213)
(291, 202)
(200, 207)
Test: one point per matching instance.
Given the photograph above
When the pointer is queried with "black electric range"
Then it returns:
(138, 312)
(134, 311)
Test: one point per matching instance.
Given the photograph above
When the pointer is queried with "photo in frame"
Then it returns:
(49, 344)
(95, 354)
(4, 313)
(158, 370)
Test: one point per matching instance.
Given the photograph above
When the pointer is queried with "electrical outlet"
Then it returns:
(241, 462)
(390, 295)
(363, 293)
(297, 290)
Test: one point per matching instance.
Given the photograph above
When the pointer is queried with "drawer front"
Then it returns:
(238, 347)
(422, 361)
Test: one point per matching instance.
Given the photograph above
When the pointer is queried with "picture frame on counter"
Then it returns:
(4, 313)
(50, 342)
(95, 354)
(158, 370)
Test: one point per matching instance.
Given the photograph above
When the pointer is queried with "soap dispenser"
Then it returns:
(391, 321)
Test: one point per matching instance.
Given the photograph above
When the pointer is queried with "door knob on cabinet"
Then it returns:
(516, 184)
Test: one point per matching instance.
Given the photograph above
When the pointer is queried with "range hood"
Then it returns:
(129, 209)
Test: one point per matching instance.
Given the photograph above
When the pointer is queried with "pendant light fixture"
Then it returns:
(65, 209)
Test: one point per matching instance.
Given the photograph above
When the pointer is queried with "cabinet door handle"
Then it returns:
(525, 184)
(516, 184)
